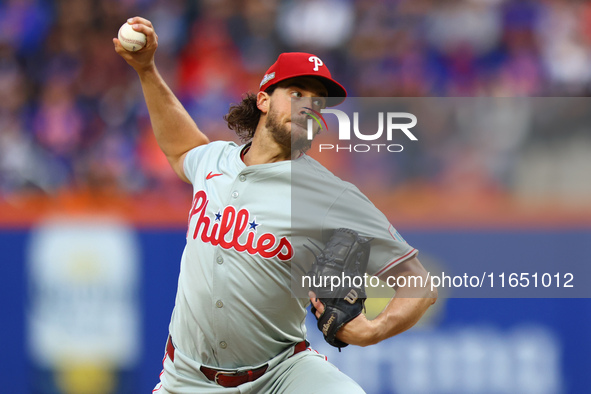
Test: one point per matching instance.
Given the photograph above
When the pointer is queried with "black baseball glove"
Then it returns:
(344, 260)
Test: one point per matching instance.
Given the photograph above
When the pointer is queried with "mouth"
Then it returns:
(299, 124)
(302, 123)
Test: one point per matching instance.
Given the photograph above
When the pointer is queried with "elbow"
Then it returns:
(433, 294)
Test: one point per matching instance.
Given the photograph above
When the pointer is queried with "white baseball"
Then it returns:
(130, 39)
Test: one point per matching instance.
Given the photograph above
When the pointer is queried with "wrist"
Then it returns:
(147, 72)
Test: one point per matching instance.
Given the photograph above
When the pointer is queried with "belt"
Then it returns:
(233, 378)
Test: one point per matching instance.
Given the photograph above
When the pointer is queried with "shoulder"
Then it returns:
(312, 171)
(215, 148)
(309, 168)
(216, 153)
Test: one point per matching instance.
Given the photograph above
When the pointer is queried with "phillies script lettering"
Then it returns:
(227, 230)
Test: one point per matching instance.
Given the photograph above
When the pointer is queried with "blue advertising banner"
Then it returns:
(463, 345)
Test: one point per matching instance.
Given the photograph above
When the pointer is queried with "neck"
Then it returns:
(264, 149)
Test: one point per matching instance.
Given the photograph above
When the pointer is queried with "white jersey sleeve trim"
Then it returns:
(413, 252)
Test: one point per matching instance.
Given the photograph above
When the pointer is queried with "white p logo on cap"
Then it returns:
(317, 62)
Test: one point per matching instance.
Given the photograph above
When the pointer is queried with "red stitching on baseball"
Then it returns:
(131, 41)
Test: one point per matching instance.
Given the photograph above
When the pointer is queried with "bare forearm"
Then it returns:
(410, 302)
(175, 130)
(402, 312)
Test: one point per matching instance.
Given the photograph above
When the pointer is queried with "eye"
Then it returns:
(320, 103)
(296, 94)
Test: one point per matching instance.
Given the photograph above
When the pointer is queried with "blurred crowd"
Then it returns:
(72, 115)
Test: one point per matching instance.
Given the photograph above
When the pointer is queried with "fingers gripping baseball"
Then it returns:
(142, 59)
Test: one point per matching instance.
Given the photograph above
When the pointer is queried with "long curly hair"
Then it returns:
(244, 117)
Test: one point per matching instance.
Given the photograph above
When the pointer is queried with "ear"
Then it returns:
(263, 101)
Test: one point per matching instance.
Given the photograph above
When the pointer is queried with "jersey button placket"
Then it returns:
(237, 189)
(221, 314)
(218, 294)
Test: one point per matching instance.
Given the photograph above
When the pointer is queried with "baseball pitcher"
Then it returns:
(235, 327)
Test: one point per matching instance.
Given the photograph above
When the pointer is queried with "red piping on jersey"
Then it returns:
(243, 152)
(394, 262)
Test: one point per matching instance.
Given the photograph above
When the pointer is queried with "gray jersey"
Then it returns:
(234, 306)
(322, 203)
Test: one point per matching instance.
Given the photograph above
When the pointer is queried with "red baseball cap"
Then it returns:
(299, 64)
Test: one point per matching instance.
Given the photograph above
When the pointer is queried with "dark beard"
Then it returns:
(282, 135)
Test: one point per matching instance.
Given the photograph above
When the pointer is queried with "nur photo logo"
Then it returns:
(392, 124)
